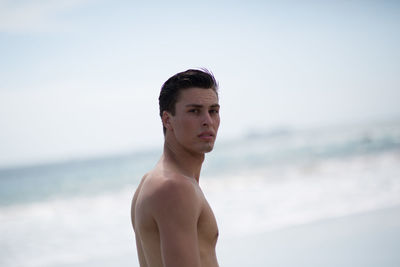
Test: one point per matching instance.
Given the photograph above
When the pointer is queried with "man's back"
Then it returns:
(173, 223)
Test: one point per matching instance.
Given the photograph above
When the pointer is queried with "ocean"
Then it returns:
(271, 192)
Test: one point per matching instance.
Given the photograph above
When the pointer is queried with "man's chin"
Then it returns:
(209, 148)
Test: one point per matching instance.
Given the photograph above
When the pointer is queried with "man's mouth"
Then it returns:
(206, 135)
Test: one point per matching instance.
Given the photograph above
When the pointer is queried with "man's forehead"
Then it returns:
(198, 96)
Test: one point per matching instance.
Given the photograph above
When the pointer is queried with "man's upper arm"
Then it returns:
(176, 210)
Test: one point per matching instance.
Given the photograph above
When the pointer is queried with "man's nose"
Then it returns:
(207, 120)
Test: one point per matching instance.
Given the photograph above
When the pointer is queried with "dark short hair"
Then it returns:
(170, 90)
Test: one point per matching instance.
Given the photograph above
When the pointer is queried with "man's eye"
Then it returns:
(214, 111)
(194, 110)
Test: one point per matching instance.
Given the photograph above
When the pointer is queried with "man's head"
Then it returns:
(171, 89)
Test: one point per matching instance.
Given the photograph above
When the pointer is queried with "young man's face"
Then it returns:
(196, 121)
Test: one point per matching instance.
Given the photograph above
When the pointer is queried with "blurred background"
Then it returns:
(306, 168)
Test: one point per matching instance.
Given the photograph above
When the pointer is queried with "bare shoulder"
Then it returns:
(160, 187)
(169, 192)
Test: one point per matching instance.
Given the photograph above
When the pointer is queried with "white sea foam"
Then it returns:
(267, 199)
(66, 232)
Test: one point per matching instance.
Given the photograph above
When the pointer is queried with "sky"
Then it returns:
(81, 78)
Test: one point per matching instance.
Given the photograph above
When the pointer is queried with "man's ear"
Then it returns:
(166, 119)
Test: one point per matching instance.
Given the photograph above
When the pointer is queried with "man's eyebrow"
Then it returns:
(200, 106)
(194, 105)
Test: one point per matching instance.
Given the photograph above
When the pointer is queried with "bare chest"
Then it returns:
(207, 226)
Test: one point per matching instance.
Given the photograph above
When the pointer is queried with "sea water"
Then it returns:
(77, 213)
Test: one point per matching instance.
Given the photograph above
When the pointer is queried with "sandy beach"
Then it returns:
(367, 239)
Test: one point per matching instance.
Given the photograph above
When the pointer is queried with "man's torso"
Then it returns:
(146, 229)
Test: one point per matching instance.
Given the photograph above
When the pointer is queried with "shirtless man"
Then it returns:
(173, 223)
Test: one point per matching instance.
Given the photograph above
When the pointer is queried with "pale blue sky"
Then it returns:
(81, 77)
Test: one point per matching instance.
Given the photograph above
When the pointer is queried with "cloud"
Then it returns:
(34, 16)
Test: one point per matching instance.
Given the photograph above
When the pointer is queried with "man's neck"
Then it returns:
(183, 161)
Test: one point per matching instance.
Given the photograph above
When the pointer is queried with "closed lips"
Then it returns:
(206, 134)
